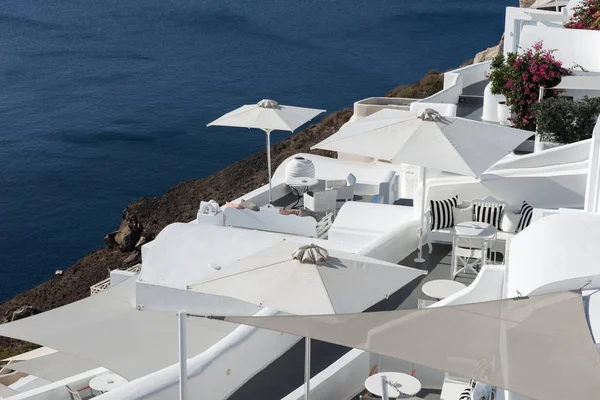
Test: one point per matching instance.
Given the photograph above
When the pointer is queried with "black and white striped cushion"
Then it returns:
(466, 394)
(488, 212)
(526, 214)
(442, 215)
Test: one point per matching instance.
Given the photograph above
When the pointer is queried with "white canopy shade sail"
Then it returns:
(452, 144)
(538, 346)
(269, 116)
(54, 367)
(344, 283)
(106, 329)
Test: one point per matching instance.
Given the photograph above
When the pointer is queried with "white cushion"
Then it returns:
(509, 221)
(463, 214)
(441, 212)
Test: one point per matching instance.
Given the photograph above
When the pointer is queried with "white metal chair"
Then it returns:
(73, 394)
(345, 188)
(323, 201)
(468, 254)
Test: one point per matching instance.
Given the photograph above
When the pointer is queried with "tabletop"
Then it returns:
(398, 382)
(302, 181)
(475, 229)
(106, 382)
(442, 288)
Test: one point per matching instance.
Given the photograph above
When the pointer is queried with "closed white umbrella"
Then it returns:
(268, 116)
(452, 144)
(308, 280)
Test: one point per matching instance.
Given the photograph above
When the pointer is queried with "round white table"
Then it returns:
(300, 185)
(442, 288)
(398, 384)
(106, 382)
(475, 229)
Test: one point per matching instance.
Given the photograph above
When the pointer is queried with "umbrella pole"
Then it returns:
(420, 258)
(384, 388)
(307, 369)
(268, 132)
(182, 356)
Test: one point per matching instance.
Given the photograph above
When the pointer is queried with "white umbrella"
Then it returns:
(452, 144)
(308, 280)
(269, 116)
(538, 346)
(339, 283)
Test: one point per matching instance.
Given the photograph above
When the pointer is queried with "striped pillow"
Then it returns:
(526, 214)
(442, 215)
(488, 212)
(466, 394)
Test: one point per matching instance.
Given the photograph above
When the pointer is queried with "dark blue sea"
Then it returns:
(102, 102)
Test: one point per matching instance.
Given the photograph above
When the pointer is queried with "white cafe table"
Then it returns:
(398, 384)
(105, 383)
(442, 288)
(475, 229)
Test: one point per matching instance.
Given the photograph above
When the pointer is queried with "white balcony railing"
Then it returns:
(105, 284)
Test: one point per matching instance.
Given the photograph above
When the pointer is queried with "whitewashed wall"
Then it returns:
(516, 18)
(573, 46)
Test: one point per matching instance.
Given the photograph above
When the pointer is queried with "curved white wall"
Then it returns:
(573, 46)
(561, 247)
(456, 80)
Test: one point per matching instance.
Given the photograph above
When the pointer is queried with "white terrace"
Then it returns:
(381, 220)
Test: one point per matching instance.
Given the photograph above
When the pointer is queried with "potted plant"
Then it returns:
(519, 77)
(499, 76)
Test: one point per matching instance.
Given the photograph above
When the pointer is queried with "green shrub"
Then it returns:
(561, 120)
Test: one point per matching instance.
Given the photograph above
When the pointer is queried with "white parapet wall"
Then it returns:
(342, 380)
(364, 108)
(456, 80)
(517, 18)
(574, 47)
